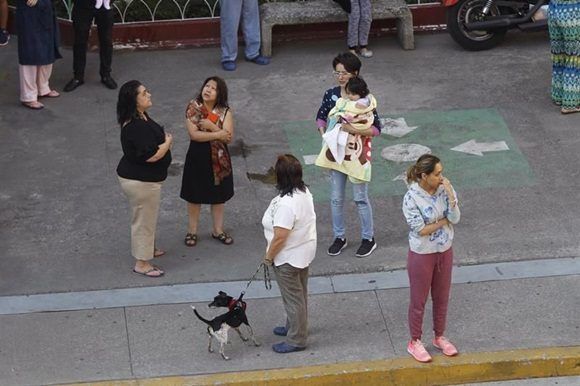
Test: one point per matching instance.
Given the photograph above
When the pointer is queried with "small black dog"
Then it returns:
(236, 316)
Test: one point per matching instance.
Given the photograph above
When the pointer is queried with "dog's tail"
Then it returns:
(200, 317)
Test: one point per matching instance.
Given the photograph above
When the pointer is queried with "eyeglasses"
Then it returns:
(340, 73)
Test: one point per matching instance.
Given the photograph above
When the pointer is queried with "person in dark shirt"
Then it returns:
(141, 171)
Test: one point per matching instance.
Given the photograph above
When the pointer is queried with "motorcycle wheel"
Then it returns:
(469, 11)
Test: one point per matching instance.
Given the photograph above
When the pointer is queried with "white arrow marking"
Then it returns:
(472, 147)
(402, 177)
(396, 127)
(310, 159)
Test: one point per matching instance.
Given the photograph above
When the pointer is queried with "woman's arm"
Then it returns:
(280, 237)
(428, 229)
(453, 214)
(162, 150)
(323, 110)
(228, 126)
(415, 219)
(204, 136)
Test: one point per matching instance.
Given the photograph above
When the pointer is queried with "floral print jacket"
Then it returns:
(420, 208)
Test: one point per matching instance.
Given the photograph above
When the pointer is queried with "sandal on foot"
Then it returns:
(158, 252)
(51, 94)
(151, 272)
(224, 238)
(190, 239)
(34, 105)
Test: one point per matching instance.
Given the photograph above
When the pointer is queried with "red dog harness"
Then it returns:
(237, 303)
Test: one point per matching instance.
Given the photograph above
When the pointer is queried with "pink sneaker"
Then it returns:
(417, 351)
(441, 343)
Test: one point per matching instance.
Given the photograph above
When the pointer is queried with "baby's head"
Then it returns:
(356, 88)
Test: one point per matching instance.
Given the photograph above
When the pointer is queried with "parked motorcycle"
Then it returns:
(482, 24)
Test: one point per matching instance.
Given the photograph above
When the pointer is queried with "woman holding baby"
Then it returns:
(347, 66)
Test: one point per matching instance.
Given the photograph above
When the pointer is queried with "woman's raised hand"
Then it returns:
(448, 189)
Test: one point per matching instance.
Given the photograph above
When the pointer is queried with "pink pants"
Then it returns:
(34, 82)
(429, 272)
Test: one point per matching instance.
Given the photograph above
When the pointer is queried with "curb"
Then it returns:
(470, 367)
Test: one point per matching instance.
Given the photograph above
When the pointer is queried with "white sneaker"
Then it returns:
(366, 53)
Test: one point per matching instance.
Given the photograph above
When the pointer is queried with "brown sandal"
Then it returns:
(224, 238)
(190, 239)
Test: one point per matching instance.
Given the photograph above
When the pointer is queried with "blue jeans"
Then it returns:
(361, 199)
(230, 14)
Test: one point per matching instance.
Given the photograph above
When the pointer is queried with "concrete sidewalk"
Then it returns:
(497, 325)
(64, 223)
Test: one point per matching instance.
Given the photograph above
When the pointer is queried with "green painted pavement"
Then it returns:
(438, 130)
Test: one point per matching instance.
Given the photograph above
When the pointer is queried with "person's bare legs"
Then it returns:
(217, 213)
(193, 211)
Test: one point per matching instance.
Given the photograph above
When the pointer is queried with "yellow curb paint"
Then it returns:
(464, 368)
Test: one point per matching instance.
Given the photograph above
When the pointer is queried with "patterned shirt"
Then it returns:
(420, 208)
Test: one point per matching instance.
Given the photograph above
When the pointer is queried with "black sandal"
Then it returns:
(190, 239)
(224, 238)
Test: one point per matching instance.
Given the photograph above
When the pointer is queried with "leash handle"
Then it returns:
(267, 280)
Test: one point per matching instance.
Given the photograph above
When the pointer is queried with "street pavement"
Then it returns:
(65, 223)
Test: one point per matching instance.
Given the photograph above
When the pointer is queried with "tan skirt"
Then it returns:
(144, 199)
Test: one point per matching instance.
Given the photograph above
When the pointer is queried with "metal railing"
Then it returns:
(129, 11)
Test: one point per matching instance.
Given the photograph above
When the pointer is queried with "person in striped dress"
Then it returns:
(564, 25)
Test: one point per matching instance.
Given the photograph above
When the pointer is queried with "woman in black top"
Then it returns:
(142, 169)
(207, 173)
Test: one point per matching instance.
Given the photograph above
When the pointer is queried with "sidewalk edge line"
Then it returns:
(465, 368)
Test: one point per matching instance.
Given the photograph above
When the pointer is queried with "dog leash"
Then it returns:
(267, 280)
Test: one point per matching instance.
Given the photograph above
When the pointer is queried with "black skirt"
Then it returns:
(197, 185)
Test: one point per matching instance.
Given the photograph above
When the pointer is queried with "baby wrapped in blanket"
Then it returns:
(343, 151)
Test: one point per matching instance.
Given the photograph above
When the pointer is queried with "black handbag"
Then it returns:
(345, 4)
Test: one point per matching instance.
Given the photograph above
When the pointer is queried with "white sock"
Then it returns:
(107, 4)
(98, 4)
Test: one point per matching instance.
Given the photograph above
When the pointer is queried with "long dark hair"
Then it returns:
(221, 89)
(288, 175)
(127, 102)
(425, 164)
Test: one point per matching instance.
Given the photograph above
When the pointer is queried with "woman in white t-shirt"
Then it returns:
(290, 230)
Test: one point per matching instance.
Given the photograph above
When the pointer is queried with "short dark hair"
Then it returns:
(288, 175)
(357, 85)
(350, 61)
(127, 102)
(222, 92)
